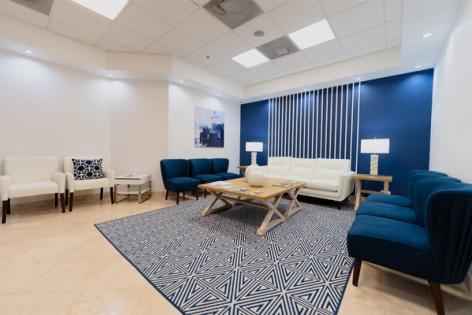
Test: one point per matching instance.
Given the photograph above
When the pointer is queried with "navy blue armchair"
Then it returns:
(435, 243)
(220, 168)
(175, 174)
(201, 170)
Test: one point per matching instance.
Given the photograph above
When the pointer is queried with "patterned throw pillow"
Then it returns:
(88, 169)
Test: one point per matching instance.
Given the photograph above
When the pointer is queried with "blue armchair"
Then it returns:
(436, 244)
(220, 168)
(201, 170)
(175, 174)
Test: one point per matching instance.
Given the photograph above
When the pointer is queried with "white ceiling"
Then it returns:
(184, 29)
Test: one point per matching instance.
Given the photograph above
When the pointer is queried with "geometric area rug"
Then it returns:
(218, 265)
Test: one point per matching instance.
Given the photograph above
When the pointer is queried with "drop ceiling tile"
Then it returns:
(203, 26)
(229, 45)
(73, 32)
(393, 9)
(24, 14)
(108, 45)
(127, 38)
(333, 7)
(263, 23)
(323, 51)
(171, 11)
(367, 50)
(179, 42)
(205, 56)
(394, 29)
(142, 22)
(80, 17)
(244, 77)
(293, 62)
(267, 69)
(364, 39)
(294, 15)
(226, 68)
(157, 48)
(358, 18)
(267, 5)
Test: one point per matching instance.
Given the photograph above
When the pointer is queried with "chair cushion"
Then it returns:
(171, 168)
(390, 243)
(208, 178)
(92, 184)
(219, 165)
(390, 199)
(182, 184)
(322, 184)
(227, 175)
(85, 169)
(33, 189)
(388, 211)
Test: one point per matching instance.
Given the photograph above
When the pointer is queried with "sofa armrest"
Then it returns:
(346, 183)
(5, 182)
(110, 174)
(60, 179)
(70, 180)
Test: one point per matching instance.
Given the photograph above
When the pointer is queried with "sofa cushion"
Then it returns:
(33, 188)
(390, 243)
(390, 199)
(200, 166)
(386, 210)
(227, 175)
(321, 184)
(219, 165)
(208, 178)
(302, 167)
(279, 165)
(171, 168)
(85, 169)
(182, 184)
(30, 169)
(92, 184)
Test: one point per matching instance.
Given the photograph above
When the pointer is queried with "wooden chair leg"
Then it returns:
(183, 194)
(167, 194)
(204, 193)
(357, 271)
(101, 193)
(67, 196)
(71, 201)
(9, 207)
(437, 297)
(4, 211)
(195, 192)
(112, 195)
(56, 202)
(63, 204)
(178, 196)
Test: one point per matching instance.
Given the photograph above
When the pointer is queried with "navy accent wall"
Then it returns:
(397, 107)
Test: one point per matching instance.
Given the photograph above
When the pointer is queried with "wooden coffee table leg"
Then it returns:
(268, 222)
(294, 205)
(358, 184)
(210, 209)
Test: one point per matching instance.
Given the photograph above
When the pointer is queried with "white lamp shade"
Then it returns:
(375, 146)
(254, 146)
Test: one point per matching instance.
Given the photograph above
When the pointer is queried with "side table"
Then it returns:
(136, 185)
(359, 178)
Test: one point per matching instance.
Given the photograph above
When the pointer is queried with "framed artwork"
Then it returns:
(209, 128)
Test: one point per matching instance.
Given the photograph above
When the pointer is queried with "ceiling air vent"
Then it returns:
(41, 6)
(277, 48)
(233, 12)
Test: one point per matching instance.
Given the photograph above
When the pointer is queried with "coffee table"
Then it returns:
(238, 192)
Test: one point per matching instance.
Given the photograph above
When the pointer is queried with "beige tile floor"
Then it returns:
(55, 263)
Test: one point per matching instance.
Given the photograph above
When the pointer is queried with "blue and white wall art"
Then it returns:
(209, 128)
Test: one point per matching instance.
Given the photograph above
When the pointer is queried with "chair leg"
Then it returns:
(195, 193)
(4, 211)
(56, 202)
(204, 193)
(63, 205)
(183, 194)
(67, 196)
(178, 196)
(357, 271)
(112, 196)
(71, 201)
(167, 194)
(437, 297)
(9, 206)
(101, 193)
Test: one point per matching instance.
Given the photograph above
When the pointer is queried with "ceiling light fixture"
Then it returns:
(426, 35)
(108, 8)
(313, 34)
(29, 52)
(418, 66)
(250, 58)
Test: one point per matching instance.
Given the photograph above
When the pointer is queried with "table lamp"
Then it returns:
(375, 147)
(254, 147)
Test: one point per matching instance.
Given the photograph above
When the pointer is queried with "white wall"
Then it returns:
(451, 134)
(182, 102)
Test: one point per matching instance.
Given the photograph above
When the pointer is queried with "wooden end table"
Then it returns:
(136, 185)
(238, 192)
(359, 178)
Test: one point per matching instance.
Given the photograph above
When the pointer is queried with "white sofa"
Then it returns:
(74, 185)
(324, 178)
(31, 176)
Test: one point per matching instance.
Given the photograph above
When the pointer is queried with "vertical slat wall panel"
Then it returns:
(322, 123)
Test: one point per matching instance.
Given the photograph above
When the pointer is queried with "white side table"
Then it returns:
(136, 185)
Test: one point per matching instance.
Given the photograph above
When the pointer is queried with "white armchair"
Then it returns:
(74, 184)
(31, 176)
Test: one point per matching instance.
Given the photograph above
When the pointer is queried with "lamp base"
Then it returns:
(374, 164)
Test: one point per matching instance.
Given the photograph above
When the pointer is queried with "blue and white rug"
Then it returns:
(218, 265)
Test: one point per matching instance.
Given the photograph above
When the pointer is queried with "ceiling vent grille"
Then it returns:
(41, 6)
(233, 13)
(277, 48)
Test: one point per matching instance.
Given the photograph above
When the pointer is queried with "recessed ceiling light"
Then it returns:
(250, 58)
(313, 34)
(29, 52)
(108, 8)
(426, 35)
(418, 66)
